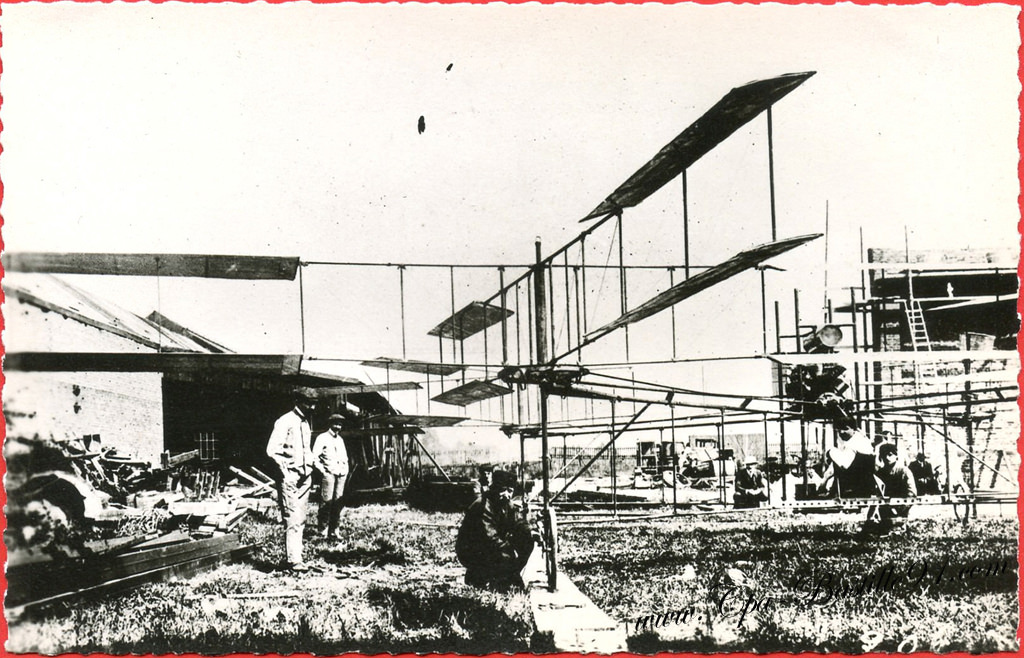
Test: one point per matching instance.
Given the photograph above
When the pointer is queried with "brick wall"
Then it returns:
(125, 409)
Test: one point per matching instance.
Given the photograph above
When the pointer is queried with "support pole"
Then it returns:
(302, 312)
(451, 288)
(504, 318)
(764, 317)
(782, 388)
(764, 418)
(539, 300)
(686, 231)
(611, 461)
(622, 281)
(945, 445)
(771, 172)
(721, 455)
(672, 310)
(579, 327)
(969, 428)
(675, 461)
(401, 302)
(856, 367)
(803, 451)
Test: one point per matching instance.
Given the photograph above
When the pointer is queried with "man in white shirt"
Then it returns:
(289, 447)
(331, 459)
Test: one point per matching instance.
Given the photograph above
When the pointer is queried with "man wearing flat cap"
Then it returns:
(289, 447)
(751, 485)
(493, 543)
(331, 459)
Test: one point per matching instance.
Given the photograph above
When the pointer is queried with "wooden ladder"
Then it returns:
(919, 339)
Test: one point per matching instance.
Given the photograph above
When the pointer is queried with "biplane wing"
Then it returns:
(742, 261)
(727, 116)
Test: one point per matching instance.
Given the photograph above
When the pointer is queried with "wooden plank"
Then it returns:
(272, 364)
(261, 474)
(572, 622)
(231, 520)
(176, 460)
(175, 537)
(39, 580)
(242, 474)
(201, 508)
(188, 265)
(181, 570)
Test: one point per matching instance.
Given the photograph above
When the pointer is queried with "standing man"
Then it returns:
(331, 459)
(493, 543)
(924, 475)
(289, 447)
(751, 485)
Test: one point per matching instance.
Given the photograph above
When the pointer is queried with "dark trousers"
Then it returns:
(332, 491)
(502, 572)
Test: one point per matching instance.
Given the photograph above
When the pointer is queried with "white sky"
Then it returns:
(292, 130)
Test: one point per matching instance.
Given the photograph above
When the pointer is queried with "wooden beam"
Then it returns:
(190, 265)
(276, 364)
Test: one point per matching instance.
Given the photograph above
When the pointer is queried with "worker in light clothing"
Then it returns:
(289, 447)
(331, 459)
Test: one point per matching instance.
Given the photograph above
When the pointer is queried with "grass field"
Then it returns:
(391, 585)
(808, 584)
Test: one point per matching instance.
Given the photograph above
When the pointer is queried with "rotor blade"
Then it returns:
(742, 261)
(734, 110)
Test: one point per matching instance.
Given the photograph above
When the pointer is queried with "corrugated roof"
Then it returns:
(50, 293)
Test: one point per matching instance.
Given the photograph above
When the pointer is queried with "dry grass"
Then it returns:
(391, 585)
(635, 572)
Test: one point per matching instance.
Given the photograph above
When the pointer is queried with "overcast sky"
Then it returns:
(292, 130)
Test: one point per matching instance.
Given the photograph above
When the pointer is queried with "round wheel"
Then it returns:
(550, 547)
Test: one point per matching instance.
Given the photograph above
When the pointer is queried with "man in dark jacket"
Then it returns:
(493, 543)
(896, 482)
(924, 475)
(751, 485)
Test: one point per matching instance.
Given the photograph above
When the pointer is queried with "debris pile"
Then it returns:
(82, 519)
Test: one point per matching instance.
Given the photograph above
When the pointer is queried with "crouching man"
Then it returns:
(494, 544)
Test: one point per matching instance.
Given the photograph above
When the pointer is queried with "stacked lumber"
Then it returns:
(42, 582)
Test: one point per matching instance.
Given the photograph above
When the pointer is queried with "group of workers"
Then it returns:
(494, 541)
(856, 468)
(297, 456)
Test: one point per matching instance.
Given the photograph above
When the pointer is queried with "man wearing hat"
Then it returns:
(289, 447)
(751, 485)
(331, 459)
(493, 543)
(851, 467)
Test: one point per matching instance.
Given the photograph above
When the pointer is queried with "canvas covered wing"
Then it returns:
(742, 261)
(734, 110)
